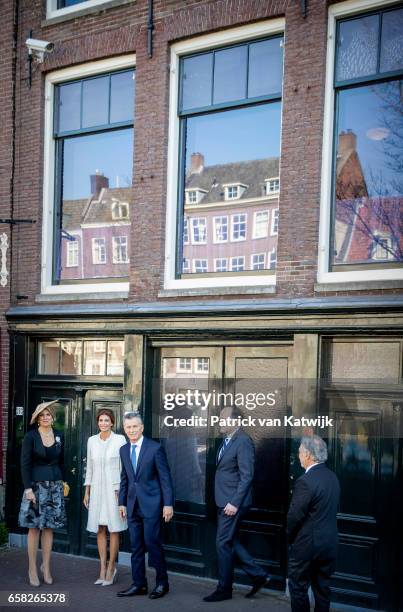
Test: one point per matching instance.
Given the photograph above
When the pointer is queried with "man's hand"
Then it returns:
(230, 510)
(122, 511)
(167, 513)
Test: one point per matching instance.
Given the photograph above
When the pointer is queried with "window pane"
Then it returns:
(94, 357)
(357, 50)
(186, 450)
(239, 147)
(69, 107)
(230, 74)
(71, 357)
(368, 223)
(48, 357)
(122, 96)
(95, 101)
(116, 350)
(265, 67)
(96, 182)
(365, 361)
(392, 41)
(197, 76)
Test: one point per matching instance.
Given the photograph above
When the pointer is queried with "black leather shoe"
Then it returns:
(218, 596)
(133, 590)
(258, 584)
(159, 591)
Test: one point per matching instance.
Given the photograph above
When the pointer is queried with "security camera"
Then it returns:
(38, 48)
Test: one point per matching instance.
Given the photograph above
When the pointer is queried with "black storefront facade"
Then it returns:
(340, 357)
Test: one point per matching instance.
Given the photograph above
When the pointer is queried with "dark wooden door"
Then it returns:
(366, 455)
(191, 455)
(265, 369)
(67, 412)
(95, 400)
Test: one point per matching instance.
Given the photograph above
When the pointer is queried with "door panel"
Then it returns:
(66, 539)
(190, 454)
(266, 370)
(94, 401)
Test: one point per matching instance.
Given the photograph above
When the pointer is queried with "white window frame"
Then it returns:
(252, 263)
(215, 225)
(120, 207)
(185, 47)
(269, 254)
(70, 251)
(237, 257)
(52, 79)
(186, 269)
(184, 370)
(255, 214)
(194, 265)
(220, 259)
(337, 11)
(242, 238)
(98, 263)
(192, 234)
(114, 248)
(271, 180)
(53, 11)
(274, 232)
(202, 370)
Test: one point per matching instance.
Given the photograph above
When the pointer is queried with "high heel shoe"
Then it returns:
(34, 583)
(99, 581)
(114, 579)
(44, 579)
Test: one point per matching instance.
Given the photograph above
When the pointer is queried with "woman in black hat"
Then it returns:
(42, 507)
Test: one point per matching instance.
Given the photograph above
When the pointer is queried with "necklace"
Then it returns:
(46, 434)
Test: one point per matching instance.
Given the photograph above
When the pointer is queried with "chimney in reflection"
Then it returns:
(196, 163)
(347, 142)
(98, 182)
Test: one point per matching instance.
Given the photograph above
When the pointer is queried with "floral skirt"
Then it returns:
(48, 512)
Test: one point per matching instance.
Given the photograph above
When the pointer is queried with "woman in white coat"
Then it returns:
(101, 493)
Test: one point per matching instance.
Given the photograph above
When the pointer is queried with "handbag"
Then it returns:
(66, 489)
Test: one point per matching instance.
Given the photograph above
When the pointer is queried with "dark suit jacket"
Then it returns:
(35, 465)
(312, 517)
(151, 486)
(234, 473)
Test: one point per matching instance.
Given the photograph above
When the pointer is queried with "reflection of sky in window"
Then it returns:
(236, 135)
(374, 114)
(111, 153)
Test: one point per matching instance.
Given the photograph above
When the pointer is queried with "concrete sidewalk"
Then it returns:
(75, 576)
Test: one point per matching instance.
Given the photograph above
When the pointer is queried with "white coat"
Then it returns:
(103, 476)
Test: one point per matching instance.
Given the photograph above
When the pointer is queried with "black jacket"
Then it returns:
(312, 517)
(234, 473)
(35, 465)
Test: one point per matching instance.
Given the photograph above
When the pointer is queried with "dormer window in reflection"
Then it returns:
(194, 196)
(272, 185)
(120, 210)
(234, 191)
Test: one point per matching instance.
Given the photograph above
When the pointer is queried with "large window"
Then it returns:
(93, 132)
(367, 220)
(229, 112)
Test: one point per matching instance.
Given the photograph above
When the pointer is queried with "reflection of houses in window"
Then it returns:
(367, 228)
(96, 231)
(236, 218)
(194, 196)
(184, 364)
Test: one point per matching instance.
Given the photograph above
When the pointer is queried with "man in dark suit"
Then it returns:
(145, 493)
(233, 496)
(312, 528)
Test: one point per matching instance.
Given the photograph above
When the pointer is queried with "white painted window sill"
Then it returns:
(80, 10)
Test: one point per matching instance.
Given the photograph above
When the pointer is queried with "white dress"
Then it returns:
(103, 476)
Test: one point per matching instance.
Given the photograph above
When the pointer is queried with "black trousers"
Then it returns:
(312, 573)
(145, 534)
(228, 544)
